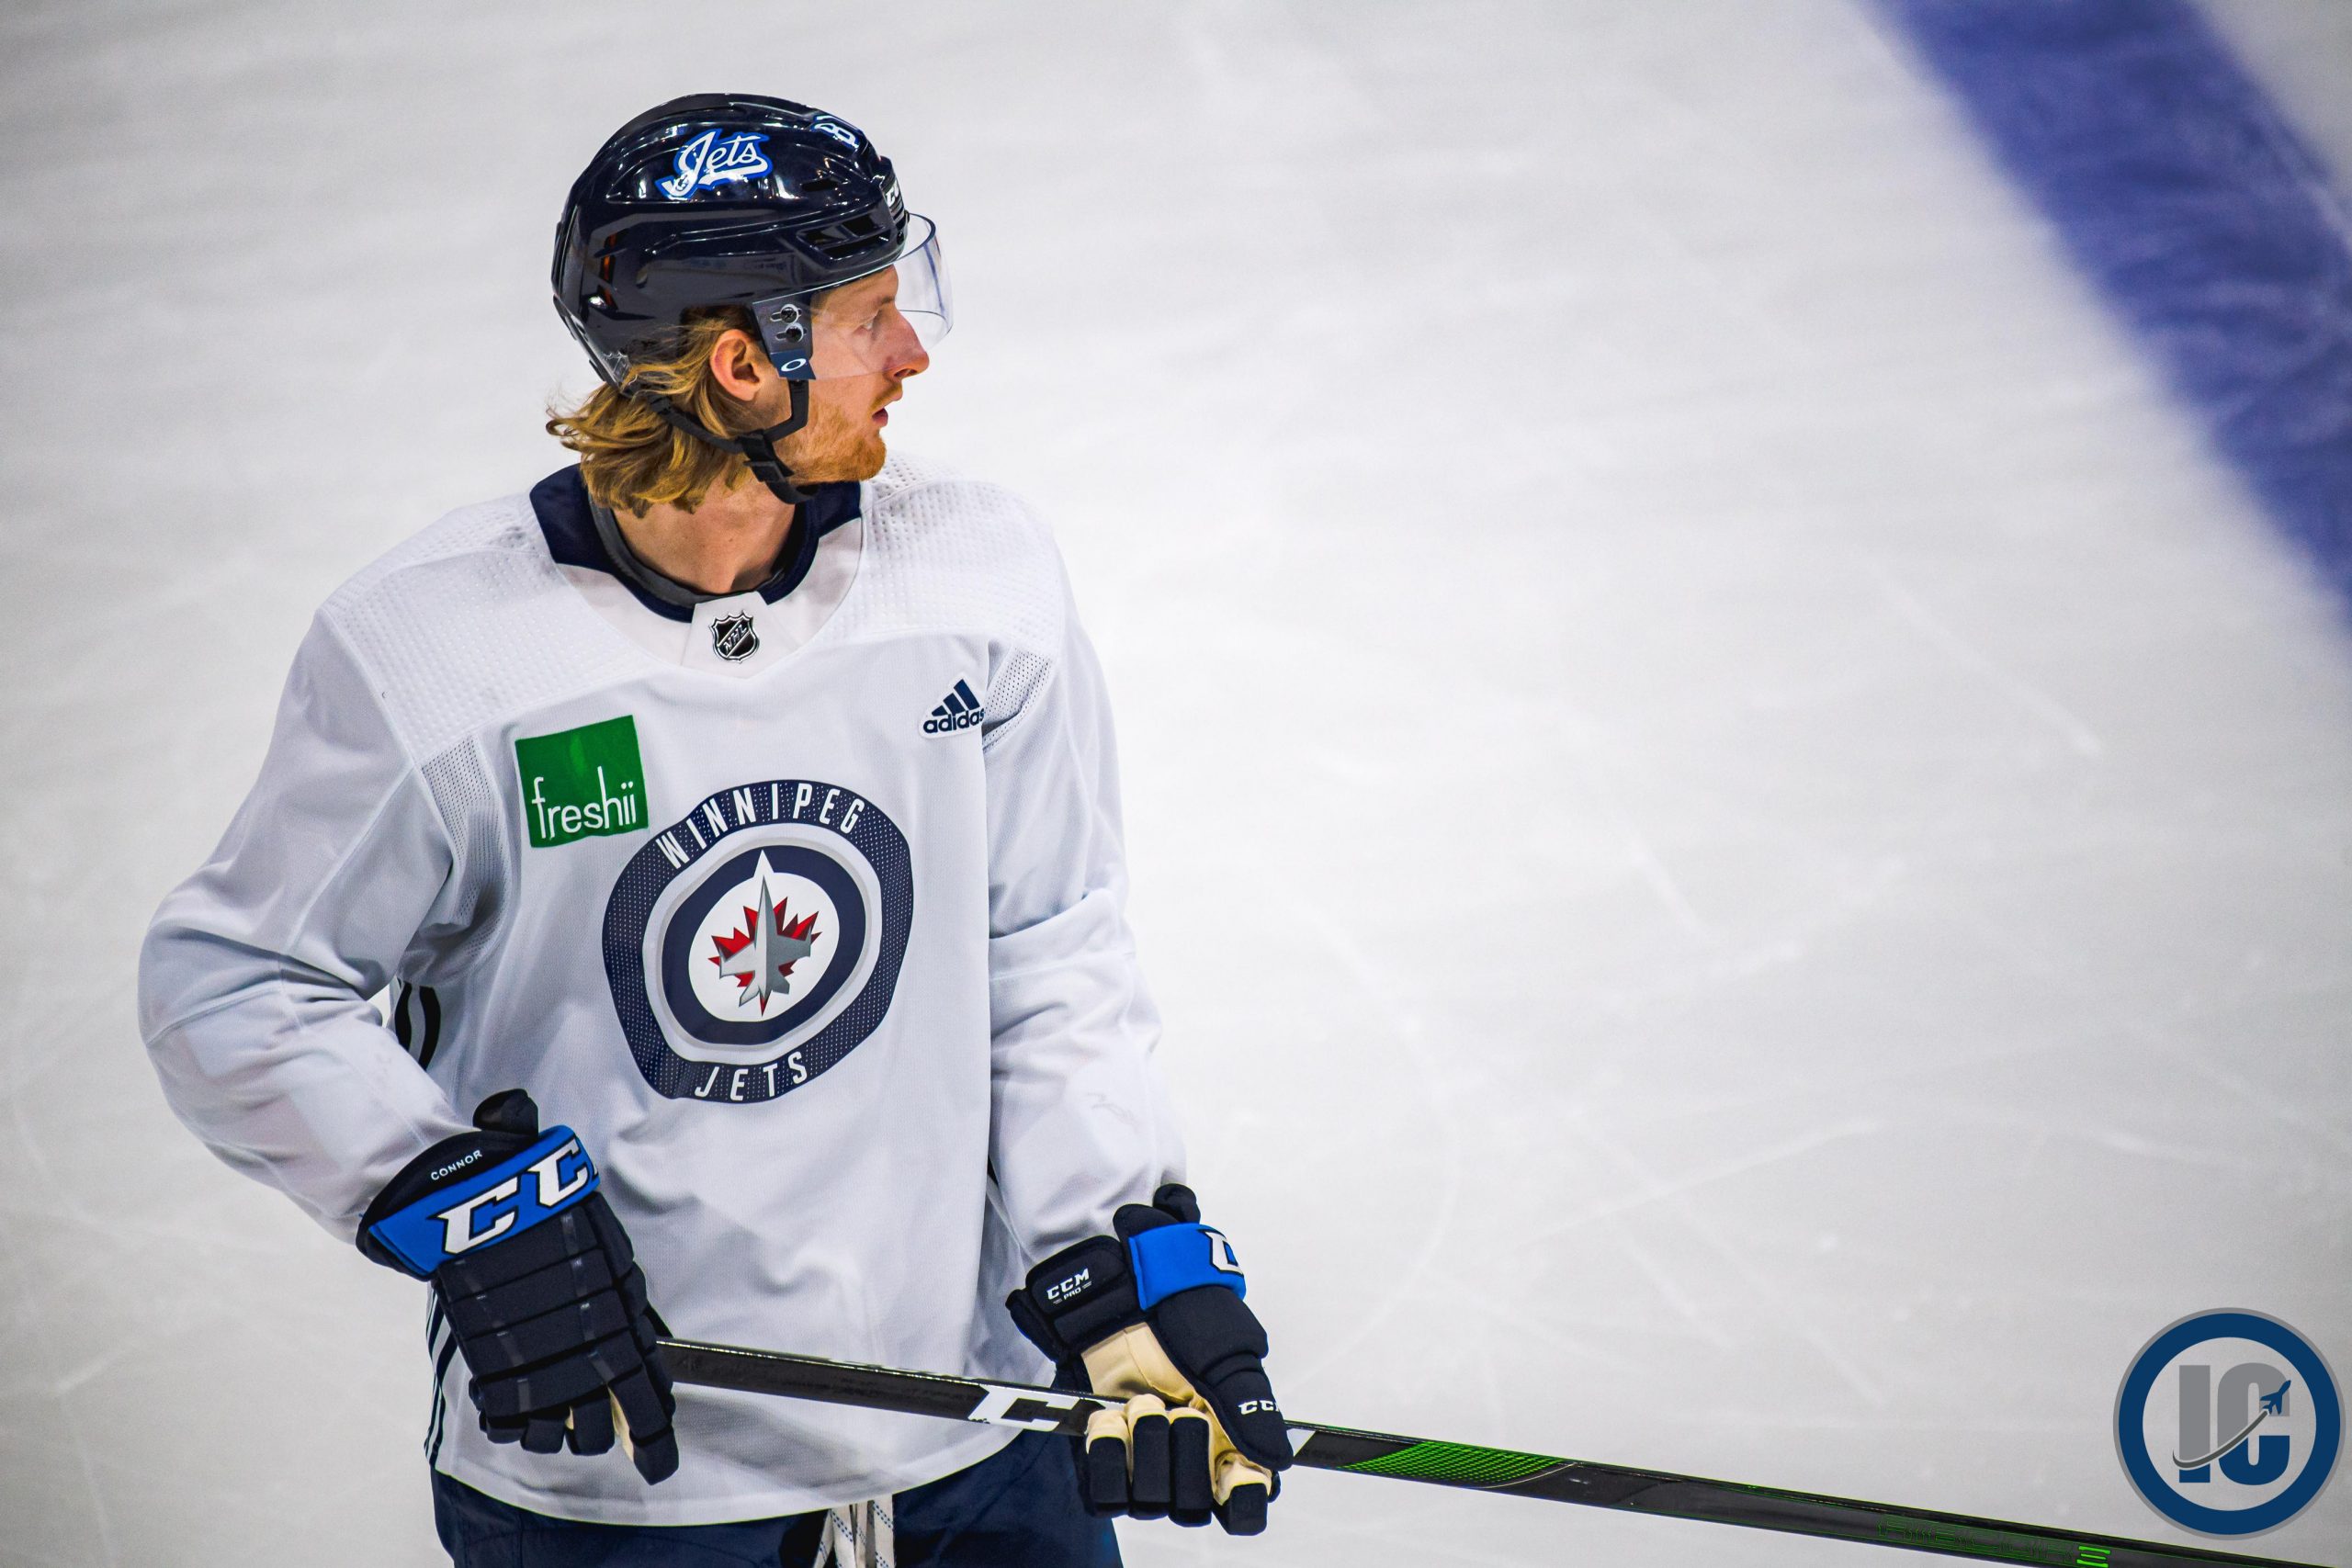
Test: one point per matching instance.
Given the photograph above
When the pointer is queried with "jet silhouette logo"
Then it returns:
(2195, 1394)
(2228, 1423)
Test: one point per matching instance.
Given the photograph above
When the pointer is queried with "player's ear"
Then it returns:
(739, 366)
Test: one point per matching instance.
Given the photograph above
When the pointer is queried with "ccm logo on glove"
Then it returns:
(551, 1186)
(1069, 1287)
(554, 1174)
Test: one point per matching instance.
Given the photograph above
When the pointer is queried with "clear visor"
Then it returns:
(876, 324)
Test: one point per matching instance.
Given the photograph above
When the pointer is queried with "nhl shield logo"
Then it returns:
(756, 941)
(733, 637)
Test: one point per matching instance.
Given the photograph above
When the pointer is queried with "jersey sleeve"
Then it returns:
(255, 977)
(1080, 1121)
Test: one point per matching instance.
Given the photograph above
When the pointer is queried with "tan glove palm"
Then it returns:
(1163, 1437)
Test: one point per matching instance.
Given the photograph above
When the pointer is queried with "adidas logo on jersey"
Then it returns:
(960, 710)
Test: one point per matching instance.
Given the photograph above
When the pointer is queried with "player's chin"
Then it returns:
(844, 462)
(866, 462)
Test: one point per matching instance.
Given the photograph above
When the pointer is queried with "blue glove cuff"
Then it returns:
(508, 1199)
(1169, 1259)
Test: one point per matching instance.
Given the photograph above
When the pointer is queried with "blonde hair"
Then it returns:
(630, 457)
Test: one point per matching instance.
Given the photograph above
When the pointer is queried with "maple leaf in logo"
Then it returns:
(758, 954)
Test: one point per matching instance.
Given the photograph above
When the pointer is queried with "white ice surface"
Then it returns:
(1747, 843)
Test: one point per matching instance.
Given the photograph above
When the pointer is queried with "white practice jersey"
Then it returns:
(802, 906)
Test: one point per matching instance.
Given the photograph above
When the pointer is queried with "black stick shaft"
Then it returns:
(1459, 1464)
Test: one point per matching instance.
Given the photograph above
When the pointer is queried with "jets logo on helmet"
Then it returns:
(708, 161)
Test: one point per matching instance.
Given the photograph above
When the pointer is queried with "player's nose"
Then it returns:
(908, 355)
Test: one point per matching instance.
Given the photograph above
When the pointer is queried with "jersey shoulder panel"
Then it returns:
(467, 622)
(949, 553)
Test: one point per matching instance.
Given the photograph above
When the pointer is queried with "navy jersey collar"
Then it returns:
(568, 518)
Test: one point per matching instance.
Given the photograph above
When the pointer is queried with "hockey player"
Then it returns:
(734, 818)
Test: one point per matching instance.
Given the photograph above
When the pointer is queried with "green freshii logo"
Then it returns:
(580, 783)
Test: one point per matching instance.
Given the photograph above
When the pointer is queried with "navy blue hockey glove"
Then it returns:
(536, 1280)
(1154, 1318)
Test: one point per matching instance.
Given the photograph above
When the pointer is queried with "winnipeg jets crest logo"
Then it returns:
(755, 941)
(709, 160)
(760, 953)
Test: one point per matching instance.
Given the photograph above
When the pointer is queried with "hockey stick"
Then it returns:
(1454, 1464)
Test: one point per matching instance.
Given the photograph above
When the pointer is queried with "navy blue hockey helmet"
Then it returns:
(730, 198)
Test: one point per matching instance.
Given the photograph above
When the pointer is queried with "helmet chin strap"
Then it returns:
(756, 447)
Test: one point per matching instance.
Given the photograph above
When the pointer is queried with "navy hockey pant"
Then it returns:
(1018, 1506)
